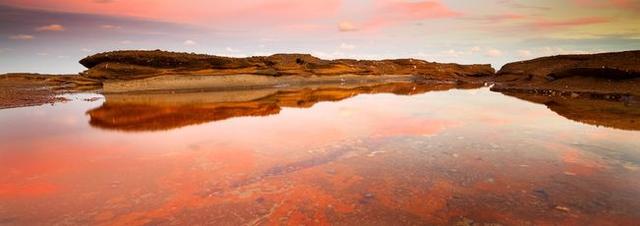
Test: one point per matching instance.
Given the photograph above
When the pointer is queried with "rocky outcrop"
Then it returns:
(150, 71)
(129, 65)
(597, 89)
(619, 65)
(608, 75)
(605, 72)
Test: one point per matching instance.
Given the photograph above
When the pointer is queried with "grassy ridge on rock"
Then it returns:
(163, 59)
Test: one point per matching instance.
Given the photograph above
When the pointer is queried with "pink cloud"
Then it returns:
(306, 27)
(518, 5)
(109, 26)
(251, 14)
(346, 26)
(21, 37)
(493, 53)
(203, 12)
(503, 17)
(415, 10)
(389, 12)
(52, 27)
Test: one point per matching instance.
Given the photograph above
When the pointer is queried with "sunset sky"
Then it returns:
(50, 36)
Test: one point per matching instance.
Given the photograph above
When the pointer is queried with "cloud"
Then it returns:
(453, 53)
(21, 37)
(126, 42)
(619, 4)
(493, 53)
(550, 51)
(231, 50)
(497, 18)
(389, 12)
(305, 27)
(189, 43)
(346, 26)
(109, 27)
(51, 27)
(211, 13)
(517, 5)
(551, 24)
(416, 10)
(345, 46)
(524, 53)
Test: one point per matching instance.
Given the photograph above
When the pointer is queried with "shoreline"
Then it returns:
(608, 76)
(241, 82)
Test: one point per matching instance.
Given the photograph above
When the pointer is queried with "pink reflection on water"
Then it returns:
(374, 158)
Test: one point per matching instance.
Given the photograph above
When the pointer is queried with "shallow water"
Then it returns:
(332, 156)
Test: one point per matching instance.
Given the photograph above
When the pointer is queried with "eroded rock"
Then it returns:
(127, 65)
(602, 73)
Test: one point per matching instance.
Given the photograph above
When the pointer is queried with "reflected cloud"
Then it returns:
(52, 27)
(21, 37)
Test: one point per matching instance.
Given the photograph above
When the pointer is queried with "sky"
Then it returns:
(51, 36)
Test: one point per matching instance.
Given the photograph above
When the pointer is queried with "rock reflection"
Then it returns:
(433, 159)
(166, 111)
(614, 111)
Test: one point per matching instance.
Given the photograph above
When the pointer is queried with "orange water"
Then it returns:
(438, 158)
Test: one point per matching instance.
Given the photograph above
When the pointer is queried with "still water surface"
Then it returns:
(381, 156)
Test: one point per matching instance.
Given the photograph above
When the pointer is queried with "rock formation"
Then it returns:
(604, 76)
(128, 65)
(602, 73)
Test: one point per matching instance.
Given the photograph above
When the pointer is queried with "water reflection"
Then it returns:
(615, 112)
(425, 157)
(164, 111)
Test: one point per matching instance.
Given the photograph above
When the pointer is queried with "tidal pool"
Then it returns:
(397, 154)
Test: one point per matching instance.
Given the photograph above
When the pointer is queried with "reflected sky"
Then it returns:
(427, 158)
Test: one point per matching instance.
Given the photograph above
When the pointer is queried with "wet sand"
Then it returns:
(30, 90)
